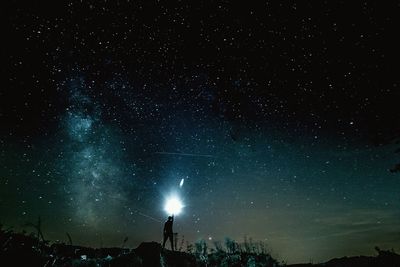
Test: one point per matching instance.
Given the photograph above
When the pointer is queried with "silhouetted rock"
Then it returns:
(150, 253)
(153, 255)
(359, 261)
(127, 260)
(177, 259)
(384, 259)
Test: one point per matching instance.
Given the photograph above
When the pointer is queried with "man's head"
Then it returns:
(169, 218)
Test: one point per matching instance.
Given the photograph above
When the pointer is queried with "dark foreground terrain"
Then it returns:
(19, 249)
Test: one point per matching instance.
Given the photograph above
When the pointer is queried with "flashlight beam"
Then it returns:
(184, 154)
(147, 216)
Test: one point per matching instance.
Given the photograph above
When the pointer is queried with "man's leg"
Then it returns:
(165, 240)
(171, 238)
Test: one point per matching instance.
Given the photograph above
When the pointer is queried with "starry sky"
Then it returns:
(281, 117)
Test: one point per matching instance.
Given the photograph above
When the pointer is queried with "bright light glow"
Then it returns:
(173, 206)
(181, 183)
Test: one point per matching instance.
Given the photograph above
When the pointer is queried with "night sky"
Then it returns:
(282, 119)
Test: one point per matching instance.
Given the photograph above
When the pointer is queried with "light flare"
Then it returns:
(173, 205)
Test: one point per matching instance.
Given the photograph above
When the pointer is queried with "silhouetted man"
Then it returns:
(168, 231)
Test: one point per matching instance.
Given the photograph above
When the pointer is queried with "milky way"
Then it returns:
(93, 167)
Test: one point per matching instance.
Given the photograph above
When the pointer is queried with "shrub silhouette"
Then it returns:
(233, 254)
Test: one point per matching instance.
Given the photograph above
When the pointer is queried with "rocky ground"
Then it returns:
(18, 249)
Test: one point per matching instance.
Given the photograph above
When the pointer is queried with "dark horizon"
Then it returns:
(282, 119)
